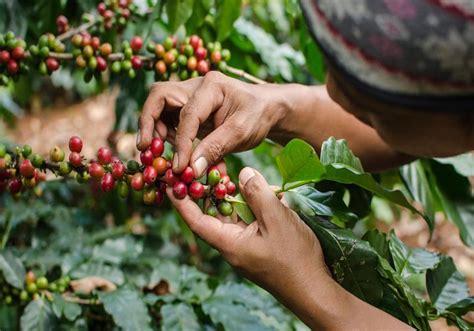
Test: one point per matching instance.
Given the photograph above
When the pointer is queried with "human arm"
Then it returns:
(280, 253)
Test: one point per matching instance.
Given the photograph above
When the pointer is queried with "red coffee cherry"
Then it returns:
(137, 182)
(108, 15)
(15, 185)
(157, 147)
(52, 64)
(220, 191)
(146, 157)
(118, 170)
(101, 8)
(201, 53)
(230, 186)
(101, 63)
(170, 177)
(126, 13)
(187, 176)
(224, 179)
(149, 175)
(4, 56)
(136, 43)
(40, 176)
(75, 159)
(107, 182)
(196, 190)
(216, 57)
(136, 62)
(96, 170)
(12, 67)
(169, 58)
(26, 169)
(202, 67)
(95, 42)
(18, 53)
(104, 155)
(160, 164)
(160, 67)
(192, 63)
(105, 49)
(75, 144)
(180, 190)
(159, 197)
(62, 21)
(194, 41)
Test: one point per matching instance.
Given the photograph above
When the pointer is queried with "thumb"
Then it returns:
(213, 148)
(260, 197)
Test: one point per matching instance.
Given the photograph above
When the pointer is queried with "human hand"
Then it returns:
(278, 251)
(229, 115)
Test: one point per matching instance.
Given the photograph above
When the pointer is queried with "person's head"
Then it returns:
(415, 132)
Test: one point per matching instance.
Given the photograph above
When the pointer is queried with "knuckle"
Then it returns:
(214, 149)
(212, 76)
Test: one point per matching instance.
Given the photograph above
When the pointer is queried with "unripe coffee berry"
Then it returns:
(107, 182)
(30, 277)
(160, 67)
(159, 51)
(95, 42)
(118, 170)
(105, 49)
(157, 147)
(169, 58)
(123, 190)
(32, 288)
(146, 157)
(192, 63)
(149, 175)
(26, 150)
(220, 191)
(149, 196)
(133, 166)
(137, 182)
(160, 164)
(37, 161)
(212, 211)
(26, 169)
(96, 170)
(216, 57)
(180, 190)
(56, 154)
(39, 176)
(225, 54)
(225, 208)
(64, 168)
(104, 155)
(196, 190)
(75, 144)
(42, 283)
(170, 177)
(75, 159)
(213, 177)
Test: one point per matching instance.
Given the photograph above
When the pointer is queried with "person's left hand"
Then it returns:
(278, 251)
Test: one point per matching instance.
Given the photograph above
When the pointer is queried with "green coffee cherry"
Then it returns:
(212, 211)
(32, 288)
(3, 150)
(42, 283)
(225, 208)
(26, 151)
(213, 177)
(37, 161)
(123, 189)
(64, 168)
(116, 67)
(133, 166)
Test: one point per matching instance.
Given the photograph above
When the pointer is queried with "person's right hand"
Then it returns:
(229, 115)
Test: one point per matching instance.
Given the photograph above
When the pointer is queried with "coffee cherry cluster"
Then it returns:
(131, 61)
(90, 54)
(189, 59)
(12, 56)
(40, 53)
(21, 170)
(115, 13)
(34, 287)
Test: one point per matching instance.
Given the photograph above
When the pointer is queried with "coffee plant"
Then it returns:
(93, 244)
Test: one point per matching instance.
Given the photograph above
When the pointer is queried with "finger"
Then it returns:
(208, 228)
(259, 195)
(222, 141)
(207, 98)
(152, 109)
(161, 129)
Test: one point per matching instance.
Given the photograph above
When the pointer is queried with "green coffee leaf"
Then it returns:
(227, 12)
(462, 307)
(12, 269)
(178, 11)
(299, 164)
(61, 307)
(127, 309)
(446, 285)
(179, 317)
(337, 151)
(38, 316)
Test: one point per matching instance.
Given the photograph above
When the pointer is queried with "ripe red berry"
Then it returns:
(220, 191)
(196, 190)
(224, 179)
(12, 67)
(18, 53)
(187, 176)
(101, 8)
(149, 175)
(52, 64)
(230, 186)
(170, 177)
(95, 42)
(216, 57)
(146, 157)
(26, 169)
(126, 13)
(62, 21)
(75, 144)
(159, 197)
(194, 41)
(157, 147)
(201, 53)
(15, 185)
(136, 43)
(160, 164)
(118, 170)
(136, 62)
(104, 155)
(107, 182)
(180, 190)
(101, 63)
(202, 67)
(40, 176)
(75, 159)
(4, 56)
(137, 182)
(108, 15)
(96, 170)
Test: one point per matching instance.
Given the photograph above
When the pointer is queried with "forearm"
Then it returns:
(310, 114)
(322, 304)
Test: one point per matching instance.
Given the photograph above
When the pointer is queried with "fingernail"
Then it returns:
(200, 166)
(245, 175)
(175, 161)
(139, 137)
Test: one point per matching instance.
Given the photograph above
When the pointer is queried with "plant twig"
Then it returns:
(8, 229)
(80, 28)
(80, 301)
(245, 75)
